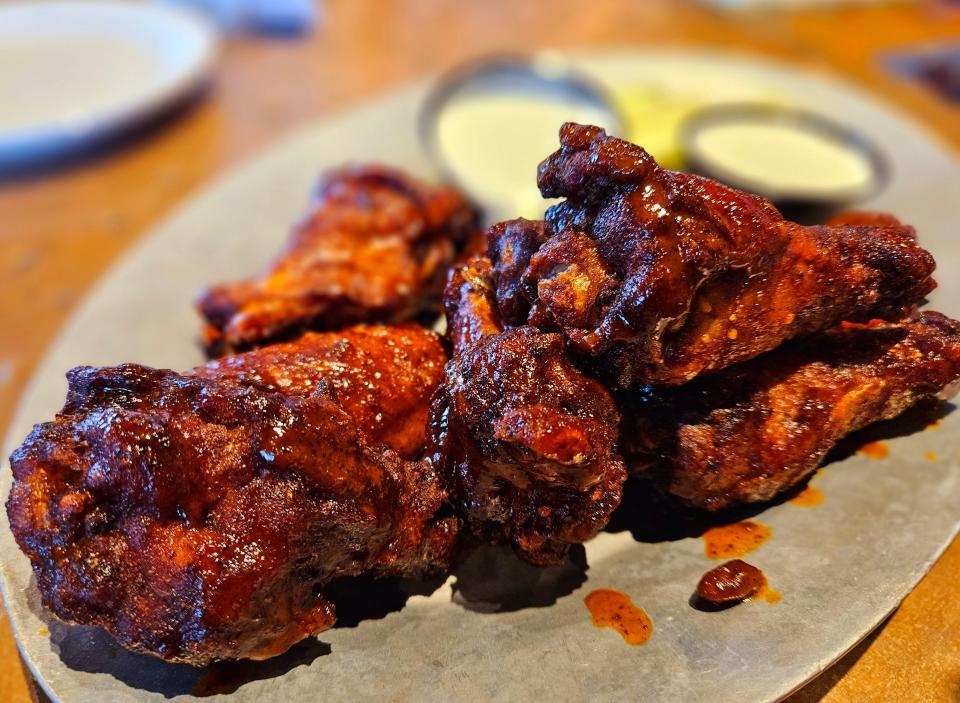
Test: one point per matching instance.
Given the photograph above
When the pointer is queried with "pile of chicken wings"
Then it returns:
(655, 325)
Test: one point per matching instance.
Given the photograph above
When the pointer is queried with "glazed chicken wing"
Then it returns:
(198, 517)
(383, 376)
(527, 442)
(655, 276)
(374, 247)
(753, 430)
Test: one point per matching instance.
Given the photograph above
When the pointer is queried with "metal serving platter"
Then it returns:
(498, 630)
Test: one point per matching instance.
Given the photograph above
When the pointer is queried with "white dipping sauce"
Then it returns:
(494, 141)
(783, 159)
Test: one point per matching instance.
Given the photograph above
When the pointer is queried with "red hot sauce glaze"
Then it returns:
(609, 608)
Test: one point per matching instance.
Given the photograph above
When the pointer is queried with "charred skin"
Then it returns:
(527, 442)
(374, 247)
(756, 429)
(198, 517)
(655, 276)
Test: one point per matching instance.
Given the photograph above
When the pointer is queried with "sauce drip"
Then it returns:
(609, 608)
(731, 583)
(875, 450)
(935, 424)
(731, 541)
(931, 456)
(771, 595)
(808, 497)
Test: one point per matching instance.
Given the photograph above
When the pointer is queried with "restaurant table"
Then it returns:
(61, 228)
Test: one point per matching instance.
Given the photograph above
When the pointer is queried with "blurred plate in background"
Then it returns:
(72, 73)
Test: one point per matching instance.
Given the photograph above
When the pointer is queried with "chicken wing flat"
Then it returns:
(753, 430)
(527, 442)
(374, 247)
(383, 376)
(198, 517)
(655, 276)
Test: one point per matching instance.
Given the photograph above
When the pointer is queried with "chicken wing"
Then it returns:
(374, 247)
(198, 517)
(383, 376)
(755, 429)
(527, 442)
(655, 276)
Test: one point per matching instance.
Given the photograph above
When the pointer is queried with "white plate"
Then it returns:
(74, 72)
(841, 566)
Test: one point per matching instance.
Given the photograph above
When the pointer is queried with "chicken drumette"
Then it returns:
(374, 247)
(655, 276)
(198, 517)
(382, 375)
(752, 430)
(527, 442)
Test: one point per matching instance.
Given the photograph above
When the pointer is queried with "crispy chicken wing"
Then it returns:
(755, 429)
(865, 217)
(198, 517)
(655, 276)
(374, 247)
(383, 376)
(526, 441)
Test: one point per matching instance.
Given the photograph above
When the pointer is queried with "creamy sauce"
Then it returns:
(613, 609)
(808, 497)
(783, 159)
(875, 450)
(732, 541)
(494, 141)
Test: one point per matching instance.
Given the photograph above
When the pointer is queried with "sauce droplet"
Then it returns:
(771, 595)
(935, 424)
(808, 497)
(730, 583)
(875, 450)
(609, 608)
(729, 541)
(931, 456)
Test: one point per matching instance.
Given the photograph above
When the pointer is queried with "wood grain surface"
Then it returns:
(61, 228)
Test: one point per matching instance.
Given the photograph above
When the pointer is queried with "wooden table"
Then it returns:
(61, 229)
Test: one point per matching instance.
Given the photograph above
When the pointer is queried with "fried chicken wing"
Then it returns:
(374, 247)
(527, 442)
(865, 217)
(755, 429)
(198, 517)
(383, 376)
(655, 276)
